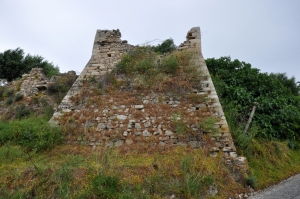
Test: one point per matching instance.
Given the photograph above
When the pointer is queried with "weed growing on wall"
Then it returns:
(172, 72)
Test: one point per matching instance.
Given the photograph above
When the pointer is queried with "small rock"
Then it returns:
(129, 141)
(146, 133)
(148, 124)
(119, 143)
(121, 117)
(168, 133)
(139, 107)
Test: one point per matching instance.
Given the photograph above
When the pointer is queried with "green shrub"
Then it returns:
(165, 47)
(208, 125)
(170, 64)
(9, 101)
(47, 109)
(251, 181)
(105, 187)
(180, 127)
(22, 111)
(141, 59)
(33, 133)
(18, 97)
(9, 93)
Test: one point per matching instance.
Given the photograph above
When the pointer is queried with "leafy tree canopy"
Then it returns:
(14, 63)
(165, 47)
(239, 86)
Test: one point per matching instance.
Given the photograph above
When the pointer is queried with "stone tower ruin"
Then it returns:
(113, 121)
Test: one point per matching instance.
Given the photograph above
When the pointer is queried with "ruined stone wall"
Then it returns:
(34, 82)
(137, 118)
(107, 51)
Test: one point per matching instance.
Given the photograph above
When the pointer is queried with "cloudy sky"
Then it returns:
(264, 33)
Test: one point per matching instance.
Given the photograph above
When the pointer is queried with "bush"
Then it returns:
(22, 111)
(105, 187)
(170, 64)
(34, 133)
(165, 47)
(9, 101)
(180, 127)
(208, 125)
(251, 181)
(9, 93)
(18, 97)
(141, 59)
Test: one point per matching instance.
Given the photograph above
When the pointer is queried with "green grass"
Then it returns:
(33, 133)
(80, 172)
(271, 162)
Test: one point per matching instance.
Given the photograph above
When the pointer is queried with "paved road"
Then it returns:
(288, 189)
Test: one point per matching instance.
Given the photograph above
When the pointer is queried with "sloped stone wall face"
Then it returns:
(123, 119)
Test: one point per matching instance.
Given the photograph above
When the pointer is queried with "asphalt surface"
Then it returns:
(287, 189)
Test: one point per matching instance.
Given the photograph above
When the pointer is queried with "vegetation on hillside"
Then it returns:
(276, 123)
(239, 86)
(14, 63)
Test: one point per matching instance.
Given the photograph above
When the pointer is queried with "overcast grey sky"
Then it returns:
(264, 33)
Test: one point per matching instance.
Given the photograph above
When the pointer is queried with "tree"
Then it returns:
(165, 47)
(14, 64)
(239, 86)
(287, 82)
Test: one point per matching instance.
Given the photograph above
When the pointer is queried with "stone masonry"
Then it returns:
(33, 82)
(36, 82)
(114, 124)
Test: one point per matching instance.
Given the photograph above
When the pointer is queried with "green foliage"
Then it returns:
(138, 60)
(165, 47)
(13, 64)
(251, 181)
(180, 127)
(47, 109)
(22, 111)
(105, 187)
(9, 101)
(32, 133)
(18, 97)
(146, 69)
(60, 88)
(170, 64)
(193, 183)
(9, 93)
(289, 83)
(209, 125)
(10, 153)
(238, 84)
